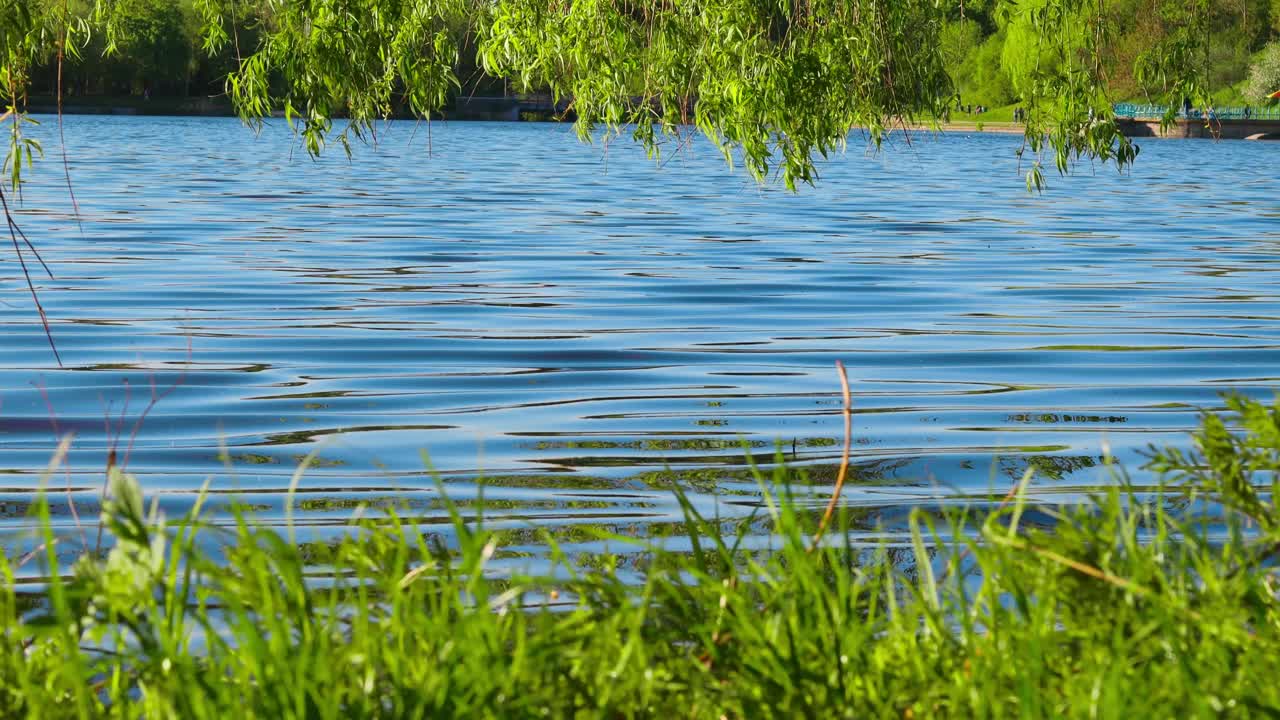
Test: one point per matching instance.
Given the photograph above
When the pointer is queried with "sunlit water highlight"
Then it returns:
(582, 327)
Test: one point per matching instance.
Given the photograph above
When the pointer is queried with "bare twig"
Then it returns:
(114, 457)
(14, 232)
(59, 456)
(57, 434)
(156, 397)
(62, 137)
(30, 556)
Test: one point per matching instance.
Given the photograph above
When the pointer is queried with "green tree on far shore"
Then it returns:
(1264, 75)
(152, 43)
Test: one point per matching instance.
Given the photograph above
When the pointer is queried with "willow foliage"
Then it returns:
(352, 58)
(777, 83)
(772, 79)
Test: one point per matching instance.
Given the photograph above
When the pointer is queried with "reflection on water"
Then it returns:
(585, 338)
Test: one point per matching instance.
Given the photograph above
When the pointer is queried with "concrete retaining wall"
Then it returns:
(1223, 129)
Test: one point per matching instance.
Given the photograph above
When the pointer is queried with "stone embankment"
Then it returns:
(1230, 129)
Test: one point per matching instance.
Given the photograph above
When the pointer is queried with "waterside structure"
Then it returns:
(1232, 123)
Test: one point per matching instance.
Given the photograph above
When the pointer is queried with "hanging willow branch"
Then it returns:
(774, 84)
(16, 234)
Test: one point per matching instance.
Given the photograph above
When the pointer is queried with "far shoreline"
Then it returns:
(137, 106)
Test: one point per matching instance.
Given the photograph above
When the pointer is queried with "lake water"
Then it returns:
(582, 327)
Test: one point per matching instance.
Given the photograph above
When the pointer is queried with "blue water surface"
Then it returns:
(583, 325)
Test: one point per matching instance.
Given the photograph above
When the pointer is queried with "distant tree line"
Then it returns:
(987, 49)
(158, 49)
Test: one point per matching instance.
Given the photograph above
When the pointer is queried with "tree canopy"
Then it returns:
(774, 83)
(1264, 75)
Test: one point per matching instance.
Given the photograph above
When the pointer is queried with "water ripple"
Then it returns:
(582, 335)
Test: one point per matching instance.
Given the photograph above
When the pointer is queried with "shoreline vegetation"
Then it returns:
(131, 105)
(996, 121)
(1139, 602)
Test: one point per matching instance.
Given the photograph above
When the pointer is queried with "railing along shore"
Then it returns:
(1156, 112)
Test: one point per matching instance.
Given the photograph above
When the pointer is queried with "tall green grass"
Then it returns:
(1152, 604)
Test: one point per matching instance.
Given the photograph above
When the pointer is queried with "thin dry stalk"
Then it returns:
(55, 462)
(844, 456)
(116, 459)
(62, 136)
(57, 434)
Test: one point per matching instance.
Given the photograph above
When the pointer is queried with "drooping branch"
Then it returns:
(19, 238)
(777, 83)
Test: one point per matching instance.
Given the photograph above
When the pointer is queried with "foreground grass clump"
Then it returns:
(1132, 606)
